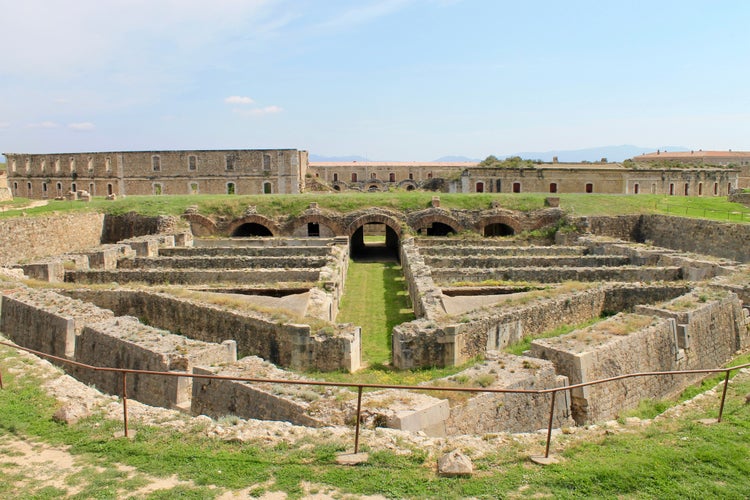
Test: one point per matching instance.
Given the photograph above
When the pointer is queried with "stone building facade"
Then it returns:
(738, 159)
(469, 177)
(238, 171)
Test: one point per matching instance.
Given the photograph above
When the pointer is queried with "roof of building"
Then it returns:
(393, 164)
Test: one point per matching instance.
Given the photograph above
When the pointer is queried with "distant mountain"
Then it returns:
(456, 158)
(611, 153)
(337, 158)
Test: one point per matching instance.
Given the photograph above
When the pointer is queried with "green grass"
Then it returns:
(277, 205)
(524, 344)
(375, 297)
(669, 459)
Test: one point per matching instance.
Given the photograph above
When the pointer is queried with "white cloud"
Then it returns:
(364, 14)
(44, 124)
(268, 110)
(236, 99)
(81, 126)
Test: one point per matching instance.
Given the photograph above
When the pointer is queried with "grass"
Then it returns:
(375, 297)
(524, 344)
(232, 206)
(669, 459)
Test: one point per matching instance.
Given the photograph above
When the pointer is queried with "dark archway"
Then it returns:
(498, 229)
(381, 243)
(437, 229)
(252, 229)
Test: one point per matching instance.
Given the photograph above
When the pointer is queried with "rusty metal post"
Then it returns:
(356, 429)
(723, 395)
(1, 380)
(125, 401)
(549, 426)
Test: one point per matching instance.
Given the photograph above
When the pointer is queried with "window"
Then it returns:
(158, 189)
(266, 162)
(72, 164)
(230, 188)
(729, 188)
(91, 188)
(28, 164)
(44, 165)
(109, 190)
(44, 189)
(716, 188)
(192, 162)
(480, 187)
(193, 188)
(392, 177)
(156, 163)
(74, 188)
(354, 176)
(28, 188)
(653, 188)
(267, 188)
(411, 176)
(229, 162)
(15, 189)
(335, 177)
(687, 189)
(671, 189)
(58, 188)
(700, 189)
(57, 165)
(636, 188)
(108, 164)
(498, 186)
(552, 187)
(90, 164)
(373, 176)
(589, 187)
(429, 175)
(516, 187)
(13, 166)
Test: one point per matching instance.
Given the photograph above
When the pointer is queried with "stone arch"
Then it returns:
(425, 223)
(393, 227)
(299, 226)
(200, 225)
(374, 185)
(408, 185)
(255, 224)
(499, 225)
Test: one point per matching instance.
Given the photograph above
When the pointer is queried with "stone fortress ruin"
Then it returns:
(258, 296)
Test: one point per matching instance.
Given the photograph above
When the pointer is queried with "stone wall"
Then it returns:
(124, 342)
(284, 344)
(29, 238)
(121, 227)
(496, 412)
(46, 321)
(192, 277)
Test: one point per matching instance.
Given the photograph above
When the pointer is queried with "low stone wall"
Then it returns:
(124, 342)
(557, 274)
(221, 262)
(193, 277)
(288, 345)
(46, 321)
(706, 334)
(131, 225)
(30, 238)
(424, 294)
(461, 249)
(494, 262)
(497, 412)
(439, 342)
(245, 251)
(218, 398)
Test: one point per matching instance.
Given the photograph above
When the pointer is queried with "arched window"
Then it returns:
(636, 188)
(589, 187)
(91, 188)
(58, 188)
(354, 176)
(267, 188)
(156, 163)
(392, 177)
(335, 177)
(28, 187)
(230, 188)
(109, 189)
(671, 189)
(700, 189)
(74, 188)
(480, 187)
(687, 189)
(158, 189)
(716, 188)
(516, 187)
(552, 187)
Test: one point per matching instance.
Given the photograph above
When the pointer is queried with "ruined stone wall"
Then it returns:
(288, 345)
(558, 274)
(46, 321)
(497, 412)
(192, 277)
(28, 238)
(121, 227)
(126, 343)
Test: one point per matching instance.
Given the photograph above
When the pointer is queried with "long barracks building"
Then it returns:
(288, 171)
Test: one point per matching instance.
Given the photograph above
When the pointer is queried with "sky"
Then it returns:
(410, 80)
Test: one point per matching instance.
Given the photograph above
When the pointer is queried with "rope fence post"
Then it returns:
(723, 395)
(356, 428)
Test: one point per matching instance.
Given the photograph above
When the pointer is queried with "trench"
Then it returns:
(376, 299)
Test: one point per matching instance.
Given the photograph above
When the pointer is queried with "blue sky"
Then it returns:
(383, 79)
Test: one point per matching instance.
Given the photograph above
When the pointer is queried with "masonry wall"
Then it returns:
(124, 342)
(121, 227)
(28, 238)
(288, 345)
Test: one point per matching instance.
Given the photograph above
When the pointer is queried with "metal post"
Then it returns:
(125, 401)
(723, 395)
(549, 426)
(356, 429)
(1, 380)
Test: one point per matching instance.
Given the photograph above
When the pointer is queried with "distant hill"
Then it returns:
(611, 153)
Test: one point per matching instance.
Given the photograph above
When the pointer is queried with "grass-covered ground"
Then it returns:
(671, 458)
(274, 205)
